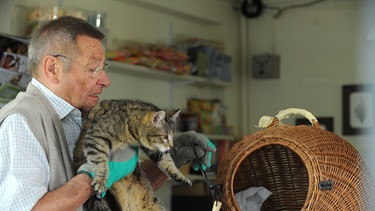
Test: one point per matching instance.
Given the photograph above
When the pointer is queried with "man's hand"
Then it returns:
(121, 163)
(195, 147)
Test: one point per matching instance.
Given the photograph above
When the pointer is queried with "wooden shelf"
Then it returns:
(218, 137)
(214, 137)
(146, 72)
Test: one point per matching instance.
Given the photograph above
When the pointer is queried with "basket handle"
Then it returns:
(267, 121)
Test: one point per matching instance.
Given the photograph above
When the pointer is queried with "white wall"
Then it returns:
(322, 47)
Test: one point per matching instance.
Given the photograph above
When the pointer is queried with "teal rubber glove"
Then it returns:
(195, 147)
(121, 163)
(204, 162)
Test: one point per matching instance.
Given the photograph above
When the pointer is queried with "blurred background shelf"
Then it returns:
(146, 72)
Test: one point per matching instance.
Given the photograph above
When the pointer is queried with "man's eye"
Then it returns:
(91, 69)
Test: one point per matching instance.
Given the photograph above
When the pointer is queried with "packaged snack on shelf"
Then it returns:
(155, 57)
(211, 115)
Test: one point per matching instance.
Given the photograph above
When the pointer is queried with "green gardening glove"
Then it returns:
(195, 147)
(121, 163)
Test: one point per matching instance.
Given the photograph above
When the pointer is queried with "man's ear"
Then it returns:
(51, 68)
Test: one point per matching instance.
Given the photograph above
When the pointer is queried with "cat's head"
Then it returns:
(159, 130)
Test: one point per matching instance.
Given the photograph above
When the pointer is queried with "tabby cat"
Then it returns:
(113, 124)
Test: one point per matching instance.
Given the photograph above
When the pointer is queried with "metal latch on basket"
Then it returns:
(326, 185)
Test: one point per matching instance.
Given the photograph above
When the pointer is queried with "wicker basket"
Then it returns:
(305, 168)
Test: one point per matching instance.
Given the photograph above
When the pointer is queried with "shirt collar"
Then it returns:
(62, 107)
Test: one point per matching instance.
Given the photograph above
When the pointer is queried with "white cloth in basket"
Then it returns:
(252, 198)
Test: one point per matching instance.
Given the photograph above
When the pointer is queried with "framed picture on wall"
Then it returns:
(325, 123)
(358, 109)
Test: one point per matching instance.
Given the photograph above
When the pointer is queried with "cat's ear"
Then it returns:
(174, 114)
(158, 116)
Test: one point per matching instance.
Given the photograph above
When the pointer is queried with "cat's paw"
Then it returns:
(187, 182)
(183, 180)
(99, 184)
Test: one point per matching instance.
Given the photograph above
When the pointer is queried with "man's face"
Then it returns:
(77, 86)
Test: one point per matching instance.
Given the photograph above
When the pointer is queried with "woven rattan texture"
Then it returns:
(290, 161)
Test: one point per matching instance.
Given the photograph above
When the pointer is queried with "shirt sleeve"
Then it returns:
(24, 168)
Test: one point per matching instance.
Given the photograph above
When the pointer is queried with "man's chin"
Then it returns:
(90, 104)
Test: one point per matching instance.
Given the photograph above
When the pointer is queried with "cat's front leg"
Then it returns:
(177, 176)
(166, 163)
(180, 178)
(100, 179)
(96, 151)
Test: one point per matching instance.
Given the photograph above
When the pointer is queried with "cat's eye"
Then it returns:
(164, 137)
